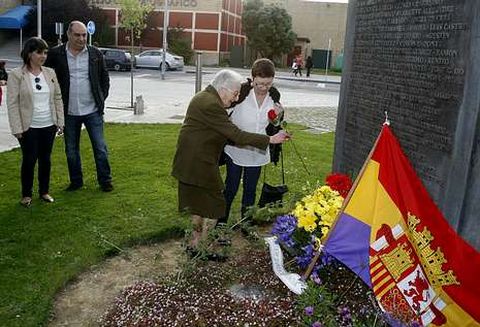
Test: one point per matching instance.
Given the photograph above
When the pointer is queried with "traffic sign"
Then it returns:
(90, 27)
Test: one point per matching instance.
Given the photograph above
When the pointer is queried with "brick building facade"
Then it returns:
(214, 26)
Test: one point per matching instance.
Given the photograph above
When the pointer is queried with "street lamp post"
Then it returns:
(165, 42)
(131, 69)
(327, 63)
(39, 18)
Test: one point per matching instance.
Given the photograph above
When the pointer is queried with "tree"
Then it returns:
(268, 29)
(133, 17)
(65, 11)
(179, 44)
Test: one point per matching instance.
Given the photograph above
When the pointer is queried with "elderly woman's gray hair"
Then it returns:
(227, 79)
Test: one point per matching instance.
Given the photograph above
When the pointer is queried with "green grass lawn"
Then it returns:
(44, 247)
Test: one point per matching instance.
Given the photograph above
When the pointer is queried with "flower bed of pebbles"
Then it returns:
(243, 291)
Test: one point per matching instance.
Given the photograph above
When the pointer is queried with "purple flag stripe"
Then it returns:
(349, 242)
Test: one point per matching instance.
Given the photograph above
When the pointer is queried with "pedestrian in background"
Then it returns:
(3, 79)
(250, 114)
(85, 83)
(309, 65)
(35, 113)
(295, 67)
(299, 65)
(203, 135)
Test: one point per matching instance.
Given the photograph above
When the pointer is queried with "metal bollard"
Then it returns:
(139, 106)
(198, 72)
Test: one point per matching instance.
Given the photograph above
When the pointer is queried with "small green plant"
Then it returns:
(225, 62)
(268, 213)
(318, 306)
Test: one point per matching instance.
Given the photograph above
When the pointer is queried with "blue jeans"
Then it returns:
(232, 182)
(94, 124)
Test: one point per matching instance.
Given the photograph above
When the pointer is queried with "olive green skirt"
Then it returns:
(201, 201)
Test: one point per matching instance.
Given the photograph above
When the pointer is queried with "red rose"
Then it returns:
(272, 115)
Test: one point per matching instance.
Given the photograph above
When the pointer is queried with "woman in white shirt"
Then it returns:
(35, 113)
(250, 115)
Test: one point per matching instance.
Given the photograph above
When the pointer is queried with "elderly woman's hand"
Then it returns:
(280, 137)
(279, 109)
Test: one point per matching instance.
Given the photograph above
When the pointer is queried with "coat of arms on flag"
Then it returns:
(394, 237)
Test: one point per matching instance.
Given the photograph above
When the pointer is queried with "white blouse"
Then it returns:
(42, 113)
(249, 117)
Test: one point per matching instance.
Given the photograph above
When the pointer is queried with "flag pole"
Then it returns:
(345, 202)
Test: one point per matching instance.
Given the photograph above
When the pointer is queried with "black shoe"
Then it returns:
(192, 252)
(212, 256)
(107, 187)
(47, 198)
(223, 241)
(73, 187)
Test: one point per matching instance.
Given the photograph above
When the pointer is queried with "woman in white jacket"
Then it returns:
(35, 113)
(251, 114)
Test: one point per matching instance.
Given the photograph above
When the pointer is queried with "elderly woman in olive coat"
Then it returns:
(203, 135)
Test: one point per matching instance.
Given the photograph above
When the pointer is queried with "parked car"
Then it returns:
(153, 59)
(117, 59)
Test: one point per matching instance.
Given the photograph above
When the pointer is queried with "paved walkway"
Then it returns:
(166, 101)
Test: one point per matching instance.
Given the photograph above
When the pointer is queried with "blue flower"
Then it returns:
(308, 253)
(309, 311)
(317, 324)
(316, 279)
(345, 314)
(283, 228)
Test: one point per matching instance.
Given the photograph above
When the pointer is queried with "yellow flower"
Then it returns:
(318, 209)
(325, 231)
(318, 243)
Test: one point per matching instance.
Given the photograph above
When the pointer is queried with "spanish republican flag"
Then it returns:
(394, 237)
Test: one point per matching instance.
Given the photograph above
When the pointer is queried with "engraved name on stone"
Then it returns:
(405, 61)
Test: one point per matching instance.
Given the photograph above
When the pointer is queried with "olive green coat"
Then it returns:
(203, 135)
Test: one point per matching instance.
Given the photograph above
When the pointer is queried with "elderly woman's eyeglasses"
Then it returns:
(37, 86)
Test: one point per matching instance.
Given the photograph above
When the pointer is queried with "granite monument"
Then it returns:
(419, 60)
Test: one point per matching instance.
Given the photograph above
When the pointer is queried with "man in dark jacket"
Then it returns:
(84, 81)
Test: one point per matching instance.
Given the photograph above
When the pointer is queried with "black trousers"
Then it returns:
(36, 144)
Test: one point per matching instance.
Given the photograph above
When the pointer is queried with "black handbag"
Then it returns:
(273, 194)
(223, 158)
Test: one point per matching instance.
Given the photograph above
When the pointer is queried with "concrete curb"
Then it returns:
(282, 77)
(307, 79)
